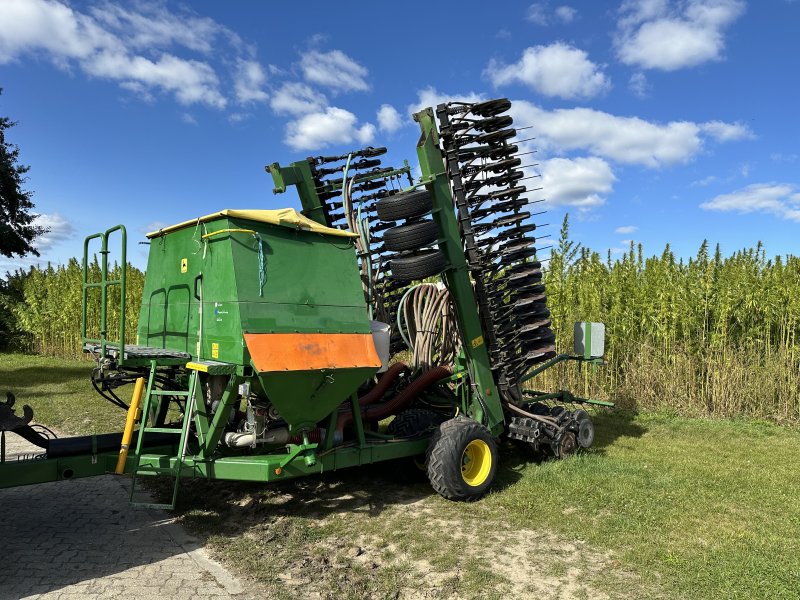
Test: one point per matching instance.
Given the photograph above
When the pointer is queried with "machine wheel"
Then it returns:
(585, 433)
(414, 421)
(410, 423)
(411, 236)
(418, 266)
(462, 459)
(567, 446)
(405, 206)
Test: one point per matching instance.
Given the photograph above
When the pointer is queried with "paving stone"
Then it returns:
(79, 539)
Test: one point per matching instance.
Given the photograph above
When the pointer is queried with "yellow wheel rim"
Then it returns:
(476, 462)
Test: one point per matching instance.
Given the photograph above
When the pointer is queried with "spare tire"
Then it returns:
(405, 206)
(418, 266)
(411, 236)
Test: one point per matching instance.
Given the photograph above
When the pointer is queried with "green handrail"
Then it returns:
(103, 285)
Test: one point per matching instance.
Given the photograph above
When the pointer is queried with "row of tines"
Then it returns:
(494, 203)
(368, 181)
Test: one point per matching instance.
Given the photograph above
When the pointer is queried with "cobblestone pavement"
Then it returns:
(79, 539)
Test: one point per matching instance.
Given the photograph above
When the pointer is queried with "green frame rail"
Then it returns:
(103, 285)
(485, 398)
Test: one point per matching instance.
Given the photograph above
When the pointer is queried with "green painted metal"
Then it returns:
(485, 399)
(165, 459)
(306, 397)
(147, 414)
(310, 284)
(299, 175)
(204, 291)
(103, 285)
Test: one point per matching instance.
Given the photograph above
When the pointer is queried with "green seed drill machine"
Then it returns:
(391, 319)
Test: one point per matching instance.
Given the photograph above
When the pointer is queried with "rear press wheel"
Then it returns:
(411, 236)
(404, 206)
(462, 459)
(418, 266)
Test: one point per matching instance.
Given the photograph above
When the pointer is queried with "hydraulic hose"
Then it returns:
(399, 402)
(27, 433)
(376, 393)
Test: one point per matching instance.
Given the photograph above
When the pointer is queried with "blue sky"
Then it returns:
(655, 121)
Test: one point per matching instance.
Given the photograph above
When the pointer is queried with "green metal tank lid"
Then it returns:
(285, 217)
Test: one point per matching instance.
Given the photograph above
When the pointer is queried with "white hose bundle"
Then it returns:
(425, 322)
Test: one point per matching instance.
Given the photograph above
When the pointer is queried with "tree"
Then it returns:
(17, 223)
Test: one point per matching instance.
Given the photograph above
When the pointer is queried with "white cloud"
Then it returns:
(566, 13)
(238, 117)
(430, 96)
(705, 181)
(60, 230)
(537, 13)
(727, 132)
(188, 119)
(555, 70)
(540, 14)
(624, 139)
(780, 199)
(653, 35)
(334, 69)
(625, 229)
(132, 44)
(638, 85)
(329, 127)
(152, 25)
(249, 83)
(191, 81)
(389, 120)
(582, 182)
(296, 98)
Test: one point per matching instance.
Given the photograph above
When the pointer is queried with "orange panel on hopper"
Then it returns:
(311, 351)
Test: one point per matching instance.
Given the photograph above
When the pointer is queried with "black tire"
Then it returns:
(418, 266)
(404, 206)
(585, 434)
(410, 423)
(490, 108)
(411, 236)
(462, 459)
(414, 421)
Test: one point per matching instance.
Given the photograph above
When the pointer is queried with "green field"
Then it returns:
(662, 506)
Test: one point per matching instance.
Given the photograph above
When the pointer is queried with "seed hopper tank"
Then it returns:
(389, 319)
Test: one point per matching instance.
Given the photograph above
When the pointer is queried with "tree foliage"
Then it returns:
(17, 227)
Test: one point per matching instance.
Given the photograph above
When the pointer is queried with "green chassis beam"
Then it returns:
(256, 467)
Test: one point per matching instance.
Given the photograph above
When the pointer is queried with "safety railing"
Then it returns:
(103, 285)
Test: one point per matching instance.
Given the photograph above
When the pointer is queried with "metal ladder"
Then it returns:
(147, 414)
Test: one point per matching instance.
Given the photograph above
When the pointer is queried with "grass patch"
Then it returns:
(60, 393)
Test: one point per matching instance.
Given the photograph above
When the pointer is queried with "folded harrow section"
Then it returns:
(497, 228)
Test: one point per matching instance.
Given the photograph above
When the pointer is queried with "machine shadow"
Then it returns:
(369, 489)
(72, 533)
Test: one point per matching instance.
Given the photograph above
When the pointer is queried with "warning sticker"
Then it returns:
(214, 350)
(478, 341)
